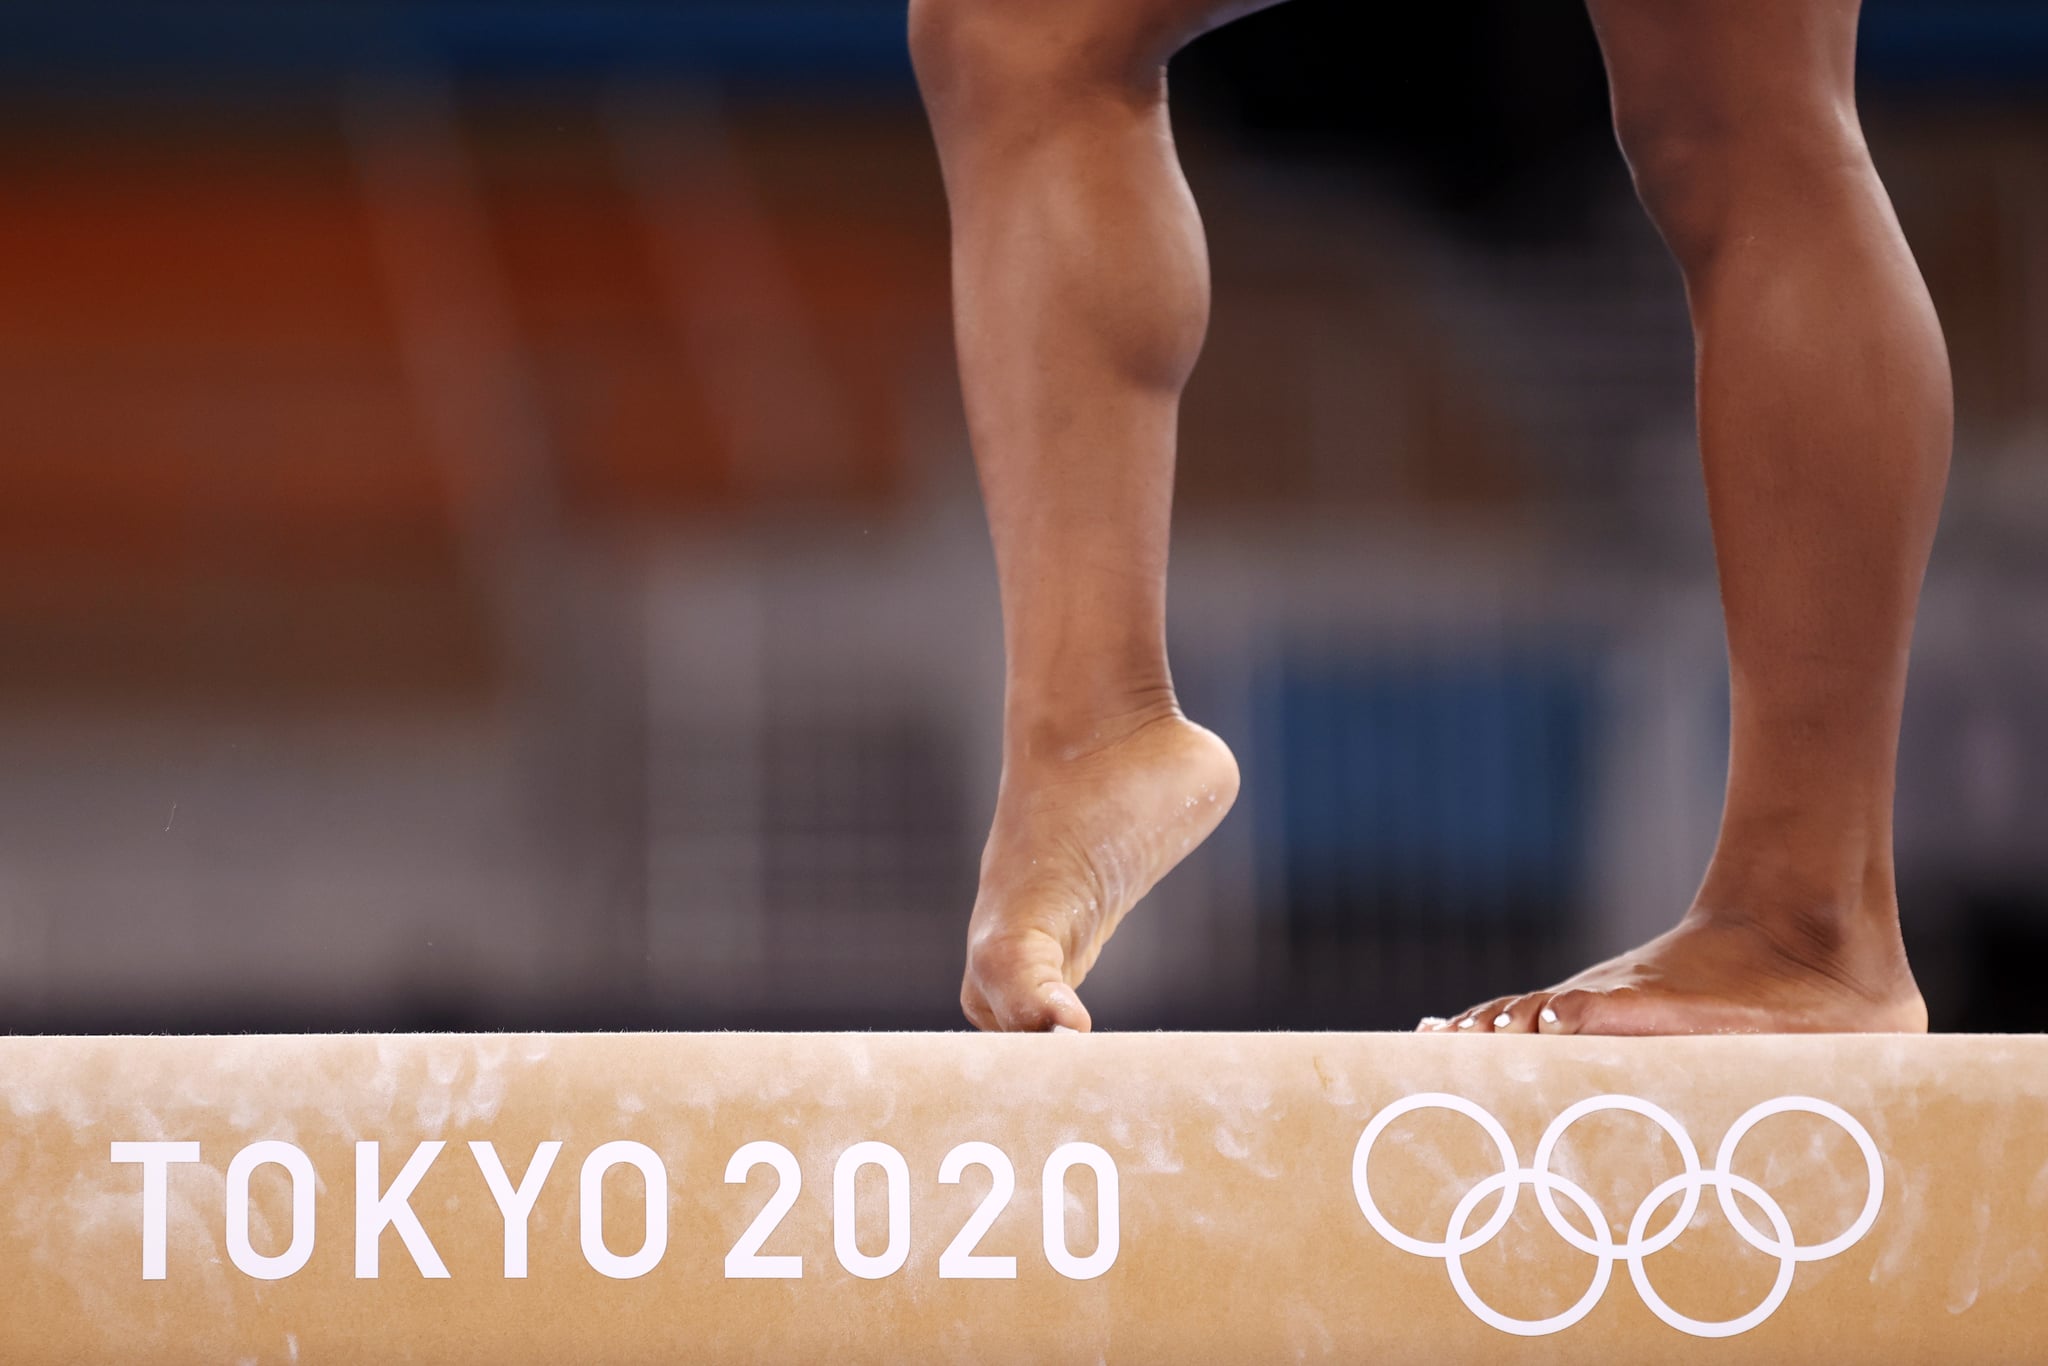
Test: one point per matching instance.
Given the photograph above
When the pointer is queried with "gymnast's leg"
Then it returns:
(1825, 418)
(1081, 296)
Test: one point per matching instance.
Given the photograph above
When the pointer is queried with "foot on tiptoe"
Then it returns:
(1082, 831)
(1725, 972)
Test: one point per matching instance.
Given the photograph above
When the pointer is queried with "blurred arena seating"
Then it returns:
(486, 536)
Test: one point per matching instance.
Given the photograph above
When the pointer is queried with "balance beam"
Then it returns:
(1132, 1198)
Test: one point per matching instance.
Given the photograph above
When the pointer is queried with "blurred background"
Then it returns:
(487, 538)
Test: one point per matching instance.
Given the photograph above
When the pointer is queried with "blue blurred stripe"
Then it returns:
(1455, 785)
(732, 40)
(1975, 43)
(1979, 43)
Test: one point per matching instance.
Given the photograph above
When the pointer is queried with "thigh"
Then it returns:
(1147, 31)
(1754, 54)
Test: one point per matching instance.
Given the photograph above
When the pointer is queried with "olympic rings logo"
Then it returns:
(1458, 1244)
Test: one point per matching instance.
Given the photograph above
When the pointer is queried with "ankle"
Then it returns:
(1038, 728)
(1847, 886)
(1831, 846)
(1842, 925)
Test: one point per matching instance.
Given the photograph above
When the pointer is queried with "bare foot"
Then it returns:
(1720, 974)
(1081, 834)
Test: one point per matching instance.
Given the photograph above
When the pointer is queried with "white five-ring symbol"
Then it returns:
(1458, 1244)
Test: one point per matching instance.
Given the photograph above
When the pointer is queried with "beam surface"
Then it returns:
(1140, 1198)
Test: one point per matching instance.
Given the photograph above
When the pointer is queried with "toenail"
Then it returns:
(1435, 1022)
(1503, 1020)
(1467, 1022)
(1548, 1016)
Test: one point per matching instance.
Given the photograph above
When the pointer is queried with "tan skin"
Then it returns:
(1081, 287)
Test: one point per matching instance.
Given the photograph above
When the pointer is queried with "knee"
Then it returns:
(975, 58)
(953, 43)
(1699, 164)
(1714, 118)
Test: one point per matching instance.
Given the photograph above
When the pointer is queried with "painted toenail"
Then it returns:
(1548, 1016)
(1435, 1022)
(1503, 1020)
(1467, 1022)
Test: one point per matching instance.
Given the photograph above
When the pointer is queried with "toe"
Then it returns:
(1566, 1012)
(1021, 978)
(1060, 1008)
(1488, 1019)
(975, 1007)
(1477, 1020)
(1631, 1010)
(1520, 1015)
